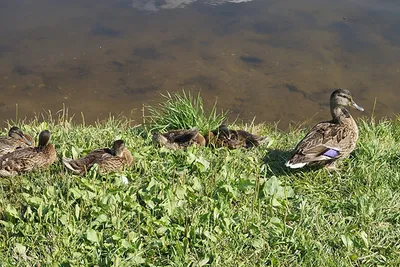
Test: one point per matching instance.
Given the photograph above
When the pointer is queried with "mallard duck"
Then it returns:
(177, 139)
(15, 139)
(232, 139)
(30, 158)
(109, 159)
(329, 141)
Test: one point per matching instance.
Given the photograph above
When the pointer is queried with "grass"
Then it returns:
(204, 206)
(184, 111)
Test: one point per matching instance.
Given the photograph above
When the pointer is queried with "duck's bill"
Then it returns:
(357, 106)
(29, 143)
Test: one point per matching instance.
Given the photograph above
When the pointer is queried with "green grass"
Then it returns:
(183, 111)
(204, 206)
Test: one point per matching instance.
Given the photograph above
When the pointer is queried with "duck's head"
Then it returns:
(118, 148)
(343, 98)
(44, 138)
(17, 133)
(160, 139)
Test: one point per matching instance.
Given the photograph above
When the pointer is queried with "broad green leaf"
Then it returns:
(137, 259)
(364, 237)
(92, 235)
(271, 186)
(180, 192)
(20, 251)
(75, 153)
(258, 243)
(196, 184)
(64, 219)
(8, 225)
(33, 201)
(203, 262)
(50, 191)
(347, 241)
(76, 192)
(11, 212)
(125, 244)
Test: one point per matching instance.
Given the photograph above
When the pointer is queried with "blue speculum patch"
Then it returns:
(331, 153)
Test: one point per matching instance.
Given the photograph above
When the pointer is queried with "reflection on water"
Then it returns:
(156, 5)
(276, 60)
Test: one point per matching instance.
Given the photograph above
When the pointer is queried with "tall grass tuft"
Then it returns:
(184, 111)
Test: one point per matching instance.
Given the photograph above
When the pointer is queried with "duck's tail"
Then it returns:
(292, 165)
(255, 140)
(262, 140)
(5, 173)
(71, 165)
(296, 162)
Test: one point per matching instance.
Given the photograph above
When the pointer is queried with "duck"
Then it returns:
(178, 139)
(224, 137)
(329, 141)
(14, 140)
(112, 159)
(28, 159)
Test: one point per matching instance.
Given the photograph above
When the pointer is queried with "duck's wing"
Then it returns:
(324, 142)
(223, 137)
(84, 164)
(21, 160)
(251, 140)
(103, 157)
(182, 136)
(7, 145)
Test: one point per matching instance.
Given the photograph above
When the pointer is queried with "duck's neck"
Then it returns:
(340, 114)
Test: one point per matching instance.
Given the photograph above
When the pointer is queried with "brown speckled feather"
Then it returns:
(178, 139)
(104, 157)
(11, 143)
(224, 137)
(27, 159)
(325, 136)
(329, 141)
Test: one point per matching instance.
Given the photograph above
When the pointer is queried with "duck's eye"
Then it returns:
(345, 96)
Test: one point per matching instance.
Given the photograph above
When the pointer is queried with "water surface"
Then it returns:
(276, 60)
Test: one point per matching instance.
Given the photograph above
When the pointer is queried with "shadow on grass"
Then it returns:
(275, 160)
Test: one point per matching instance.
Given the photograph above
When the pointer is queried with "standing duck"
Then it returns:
(15, 139)
(109, 159)
(329, 141)
(232, 139)
(30, 158)
(177, 139)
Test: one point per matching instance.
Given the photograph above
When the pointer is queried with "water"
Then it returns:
(276, 60)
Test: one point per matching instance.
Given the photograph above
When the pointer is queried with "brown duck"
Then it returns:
(329, 141)
(112, 159)
(177, 139)
(30, 158)
(224, 137)
(14, 140)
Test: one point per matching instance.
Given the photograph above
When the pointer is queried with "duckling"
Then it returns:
(232, 139)
(16, 139)
(177, 139)
(30, 158)
(109, 159)
(329, 141)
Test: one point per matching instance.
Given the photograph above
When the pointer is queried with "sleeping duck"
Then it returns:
(112, 159)
(30, 158)
(177, 139)
(14, 140)
(224, 137)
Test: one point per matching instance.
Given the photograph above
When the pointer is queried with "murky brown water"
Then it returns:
(276, 60)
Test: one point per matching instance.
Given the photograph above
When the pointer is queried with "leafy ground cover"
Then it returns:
(204, 206)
